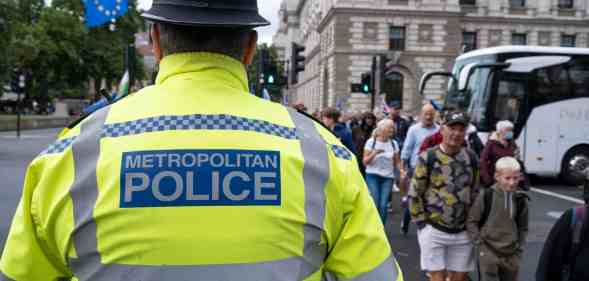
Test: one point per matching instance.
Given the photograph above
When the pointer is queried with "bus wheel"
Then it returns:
(569, 173)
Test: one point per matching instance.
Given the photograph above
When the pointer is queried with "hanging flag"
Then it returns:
(123, 86)
(385, 107)
(99, 12)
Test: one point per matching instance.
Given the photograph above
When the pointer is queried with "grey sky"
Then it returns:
(268, 9)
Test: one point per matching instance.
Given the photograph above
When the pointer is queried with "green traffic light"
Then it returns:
(271, 79)
(365, 88)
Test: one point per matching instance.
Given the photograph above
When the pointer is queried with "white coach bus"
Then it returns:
(544, 91)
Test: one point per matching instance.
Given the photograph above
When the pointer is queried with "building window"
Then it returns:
(565, 4)
(567, 40)
(495, 37)
(544, 38)
(371, 30)
(519, 39)
(517, 3)
(468, 2)
(397, 38)
(426, 32)
(469, 41)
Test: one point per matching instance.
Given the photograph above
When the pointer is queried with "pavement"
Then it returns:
(549, 200)
(28, 122)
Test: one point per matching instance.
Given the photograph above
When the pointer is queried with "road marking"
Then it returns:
(554, 194)
(555, 215)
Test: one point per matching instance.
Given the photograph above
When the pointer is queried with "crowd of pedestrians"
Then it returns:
(467, 200)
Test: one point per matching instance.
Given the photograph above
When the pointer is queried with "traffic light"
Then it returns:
(366, 82)
(297, 62)
(382, 68)
(269, 70)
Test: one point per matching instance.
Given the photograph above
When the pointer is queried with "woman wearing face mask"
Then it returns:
(501, 144)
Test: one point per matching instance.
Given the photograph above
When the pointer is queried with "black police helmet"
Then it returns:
(207, 13)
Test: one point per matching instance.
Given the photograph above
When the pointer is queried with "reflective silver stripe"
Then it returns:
(315, 175)
(386, 271)
(84, 193)
(4, 277)
(281, 270)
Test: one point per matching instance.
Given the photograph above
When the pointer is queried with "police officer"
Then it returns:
(196, 179)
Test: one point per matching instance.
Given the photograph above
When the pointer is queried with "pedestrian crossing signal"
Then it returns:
(366, 82)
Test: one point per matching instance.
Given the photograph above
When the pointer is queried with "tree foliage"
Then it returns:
(252, 71)
(59, 54)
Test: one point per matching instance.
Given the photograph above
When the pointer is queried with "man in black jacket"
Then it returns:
(401, 124)
(560, 259)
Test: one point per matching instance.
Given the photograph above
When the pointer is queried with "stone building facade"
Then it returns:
(342, 36)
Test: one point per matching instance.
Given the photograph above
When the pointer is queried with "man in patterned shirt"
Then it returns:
(444, 185)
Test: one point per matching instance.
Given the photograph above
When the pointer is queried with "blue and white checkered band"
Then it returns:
(58, 147)
(194, 122)
(197, 122)
(341, 152)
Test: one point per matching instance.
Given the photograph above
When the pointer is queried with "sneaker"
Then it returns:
(405, 202)
(396, 188)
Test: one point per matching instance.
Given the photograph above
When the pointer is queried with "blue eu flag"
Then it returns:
(99, 12)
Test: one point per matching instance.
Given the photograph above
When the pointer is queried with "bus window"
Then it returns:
(579, 72)
(509, 100)
(479, 93)
(552, 85)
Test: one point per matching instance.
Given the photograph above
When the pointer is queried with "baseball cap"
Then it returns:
(457, 117)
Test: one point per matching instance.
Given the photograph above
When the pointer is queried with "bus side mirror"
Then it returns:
(428, 75)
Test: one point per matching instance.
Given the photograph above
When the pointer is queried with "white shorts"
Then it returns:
(441, 251)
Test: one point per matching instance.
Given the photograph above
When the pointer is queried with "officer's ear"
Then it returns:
(250, 47)
(155, 42)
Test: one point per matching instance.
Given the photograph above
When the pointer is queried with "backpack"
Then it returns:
(475, 143)
(488, 201)
(393, 143)
(577, 224)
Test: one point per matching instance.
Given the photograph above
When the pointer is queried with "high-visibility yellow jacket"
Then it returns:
(196, 179)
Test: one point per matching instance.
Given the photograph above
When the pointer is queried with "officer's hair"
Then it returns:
(181, 39)
(507, 164)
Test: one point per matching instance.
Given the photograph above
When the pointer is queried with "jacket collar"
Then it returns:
(201, 62)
